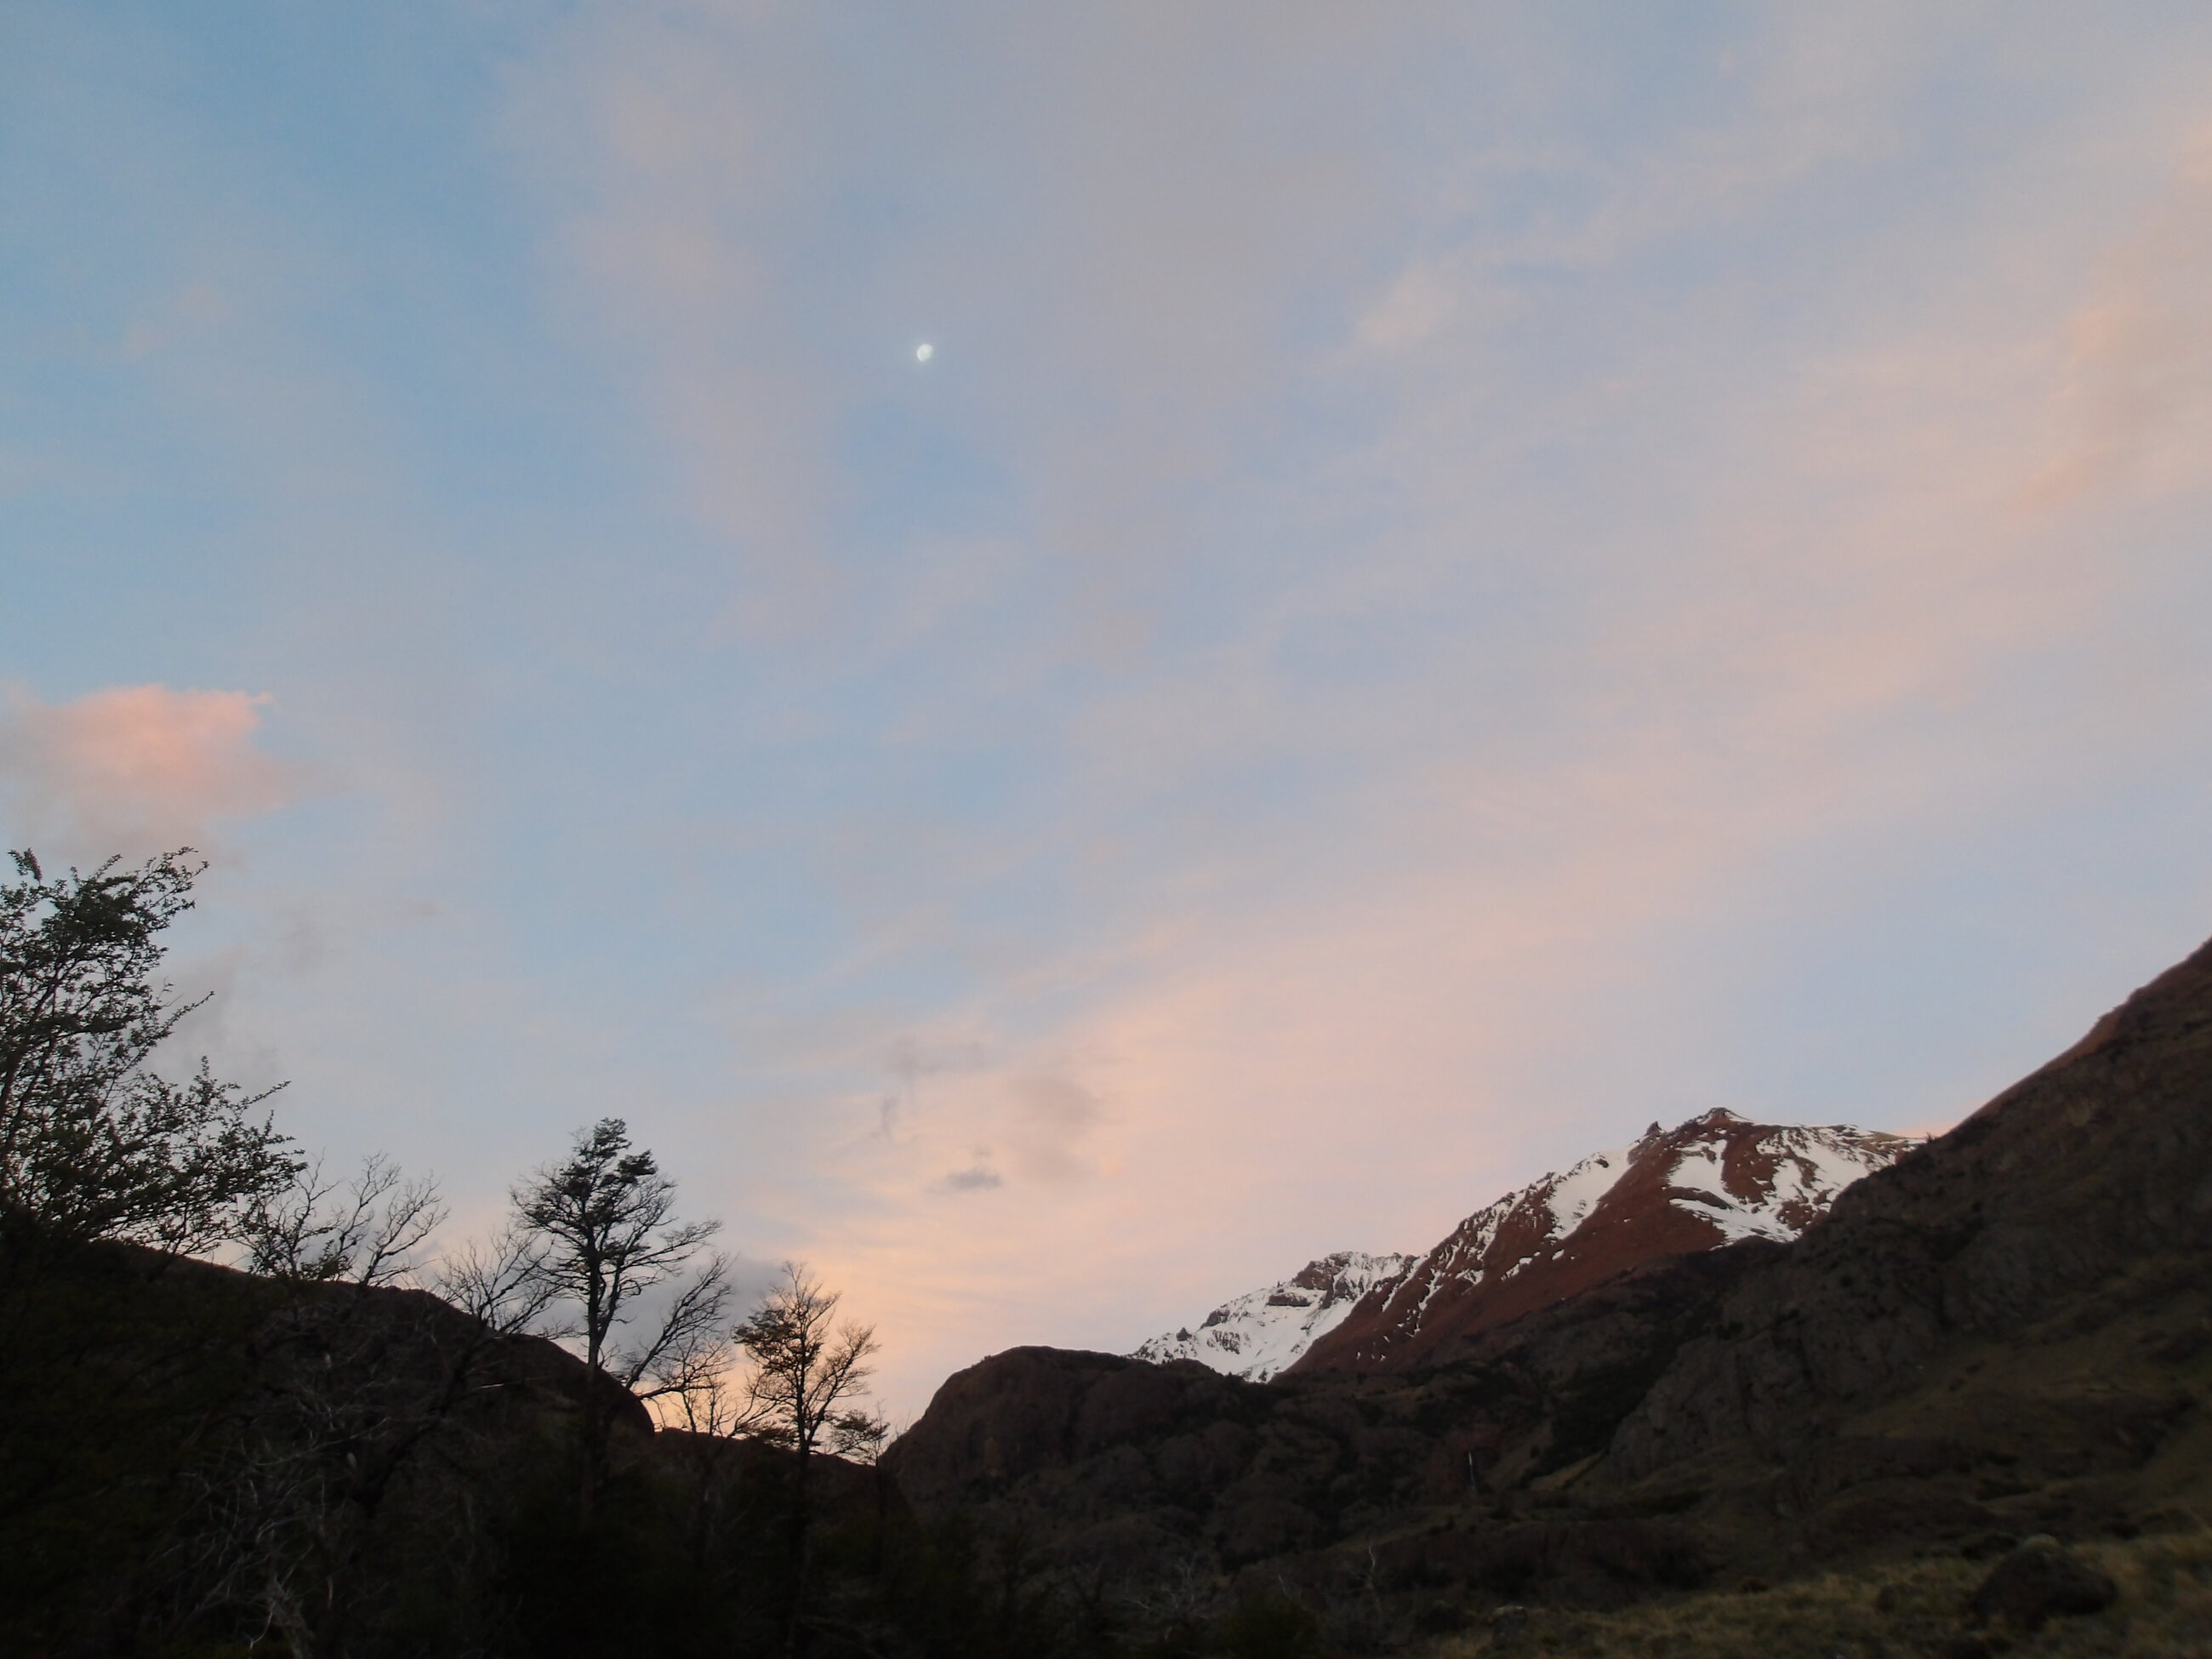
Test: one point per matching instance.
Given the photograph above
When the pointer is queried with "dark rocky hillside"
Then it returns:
(2085, 1191)
(2003, 1339)
(185, 1439)
(198, 1462)
(2007, 1333)
(1141, 1477)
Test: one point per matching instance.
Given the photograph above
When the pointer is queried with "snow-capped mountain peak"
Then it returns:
(1714, 1180)
(1257, 1334)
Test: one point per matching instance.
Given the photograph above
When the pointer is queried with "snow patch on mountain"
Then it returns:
(1258, 1333)
(1712, 1181)
(1575, 1195)
(1810, 1167)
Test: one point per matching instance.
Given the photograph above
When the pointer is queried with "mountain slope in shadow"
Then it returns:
(2004, 1333)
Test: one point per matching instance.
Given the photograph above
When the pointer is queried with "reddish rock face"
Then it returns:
(1713, 1180)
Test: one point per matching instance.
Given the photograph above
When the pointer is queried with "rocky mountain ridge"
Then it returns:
(2004, 1334)
(1712, 1181)
(1259, 1333)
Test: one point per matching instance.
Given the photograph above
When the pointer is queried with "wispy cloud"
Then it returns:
(2136, 404)
(1462, 577)
(1410, 862)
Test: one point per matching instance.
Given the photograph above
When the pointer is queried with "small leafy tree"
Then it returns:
(94, 1144)
(804, 1390)
(605, 1232)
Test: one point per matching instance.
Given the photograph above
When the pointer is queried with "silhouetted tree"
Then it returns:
(805, 1379)
(604, 1226)
(501, 1282)
(363, 1231)
(93, 1142)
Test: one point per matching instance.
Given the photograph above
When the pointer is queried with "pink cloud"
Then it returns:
(133, 769)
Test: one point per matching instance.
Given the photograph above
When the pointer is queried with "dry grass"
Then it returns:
(1901, 1612)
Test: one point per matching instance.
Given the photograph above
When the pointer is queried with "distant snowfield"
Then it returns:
(1260, 1333)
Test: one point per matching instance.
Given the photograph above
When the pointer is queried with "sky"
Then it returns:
(1459, 579)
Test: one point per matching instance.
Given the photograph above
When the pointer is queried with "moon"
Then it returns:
(924, 352)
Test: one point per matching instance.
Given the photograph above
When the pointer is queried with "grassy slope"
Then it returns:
(2165, 1612)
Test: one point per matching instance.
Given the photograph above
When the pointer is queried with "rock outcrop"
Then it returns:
(2081, 1194)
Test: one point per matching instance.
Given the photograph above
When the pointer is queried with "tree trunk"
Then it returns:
(794, 1633)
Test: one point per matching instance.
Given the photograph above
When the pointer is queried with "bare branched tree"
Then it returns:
(603, 1220)
(803, 1388)
(688, 1354)
(363, 1231)
(805, 1368)
(501, 1282)
(718, 1406)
